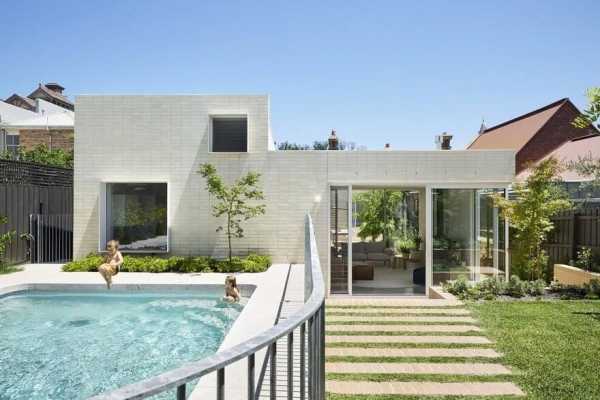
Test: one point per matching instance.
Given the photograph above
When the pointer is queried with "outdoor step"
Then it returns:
(406, 339)
(416, 368)
(354, 318)
(391, 302)
(399, 311)
(402, 328)
(396, 352)
(424, 388)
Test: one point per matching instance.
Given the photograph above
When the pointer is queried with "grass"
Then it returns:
(402, 333)
(554, 344)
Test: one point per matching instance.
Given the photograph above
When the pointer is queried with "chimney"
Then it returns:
(443, 141)
(333, 141)
(55, 87)
(387, 147)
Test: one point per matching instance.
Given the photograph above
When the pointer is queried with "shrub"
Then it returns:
(458, 287)
(133, 263)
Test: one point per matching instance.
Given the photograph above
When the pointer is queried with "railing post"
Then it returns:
(273, 372)
(221, 384)
(302, 361)
(290, 365)
(251, 374)
(181, 392)
(322, 342)
(311, 360)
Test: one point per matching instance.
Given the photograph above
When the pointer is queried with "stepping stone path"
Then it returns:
(367, 339)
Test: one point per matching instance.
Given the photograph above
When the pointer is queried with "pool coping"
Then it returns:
(259, 313)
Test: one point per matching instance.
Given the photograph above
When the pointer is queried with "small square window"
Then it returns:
(229, 134)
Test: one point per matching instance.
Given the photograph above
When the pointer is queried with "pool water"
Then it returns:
(65, 345)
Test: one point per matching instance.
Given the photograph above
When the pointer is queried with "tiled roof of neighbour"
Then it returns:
(27, 100)
(515, 133)
(571, 151)
(50, 93)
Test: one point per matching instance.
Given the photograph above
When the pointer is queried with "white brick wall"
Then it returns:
(165, 138)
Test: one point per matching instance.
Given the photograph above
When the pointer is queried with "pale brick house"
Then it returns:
(135, 180)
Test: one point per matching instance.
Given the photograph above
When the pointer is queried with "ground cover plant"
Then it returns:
(133, 263)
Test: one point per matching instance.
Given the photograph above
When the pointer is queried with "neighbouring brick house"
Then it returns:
(534, 135)
(44, 117)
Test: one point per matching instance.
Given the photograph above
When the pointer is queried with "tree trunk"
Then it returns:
(229, 236)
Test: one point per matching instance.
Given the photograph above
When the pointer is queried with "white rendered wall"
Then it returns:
(165, 138)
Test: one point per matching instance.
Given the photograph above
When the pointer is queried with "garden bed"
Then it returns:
(133, 263)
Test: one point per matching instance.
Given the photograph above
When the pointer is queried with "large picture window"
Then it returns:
(136, 216)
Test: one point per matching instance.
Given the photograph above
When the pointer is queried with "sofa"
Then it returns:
(369, 251)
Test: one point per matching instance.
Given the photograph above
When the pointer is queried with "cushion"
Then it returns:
(378, 257)
(375, 247)
(359, 256)
(358, 247)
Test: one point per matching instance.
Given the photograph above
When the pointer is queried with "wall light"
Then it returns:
(317, 198)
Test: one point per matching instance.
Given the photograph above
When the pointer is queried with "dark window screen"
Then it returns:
(230, 134)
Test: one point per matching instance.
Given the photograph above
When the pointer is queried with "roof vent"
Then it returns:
(442, 141)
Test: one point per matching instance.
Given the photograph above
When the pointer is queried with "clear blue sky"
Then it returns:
(376, 71)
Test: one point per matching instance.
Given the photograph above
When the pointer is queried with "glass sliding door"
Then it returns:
(338, 239)
(468, 235)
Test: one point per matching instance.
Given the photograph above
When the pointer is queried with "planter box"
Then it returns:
(568, 275)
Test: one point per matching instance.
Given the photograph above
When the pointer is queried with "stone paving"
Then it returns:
(367, 340)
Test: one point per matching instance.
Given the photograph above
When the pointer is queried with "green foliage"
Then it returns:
(587, 165)
(317, 145)
(232, 201)
(41, 154)
(585, 260)
(406, 241)
(491, 288)
(133, 263)
(592, 114)
(5, 240)
(377, 214)
(530, 213)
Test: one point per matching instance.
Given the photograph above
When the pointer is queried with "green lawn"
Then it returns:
(554, 346)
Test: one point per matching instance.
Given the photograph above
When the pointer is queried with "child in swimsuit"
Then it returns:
(112, 262)
(232, 294)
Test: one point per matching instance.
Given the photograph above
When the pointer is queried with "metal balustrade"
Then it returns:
(309, 321)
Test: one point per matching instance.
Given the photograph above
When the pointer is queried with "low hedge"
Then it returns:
(490, 288)
(135, 263)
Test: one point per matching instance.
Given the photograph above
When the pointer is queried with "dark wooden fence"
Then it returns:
(29, 189)
(573, 230)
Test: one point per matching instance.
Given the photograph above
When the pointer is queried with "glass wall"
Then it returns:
(338, 239)
(468, 235)
(136, 216)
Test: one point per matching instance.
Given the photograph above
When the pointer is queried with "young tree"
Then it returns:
(377, 214)
(537, 200)
(5, 239)
(232, 201)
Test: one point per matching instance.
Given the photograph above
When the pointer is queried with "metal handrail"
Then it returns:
(312, 314)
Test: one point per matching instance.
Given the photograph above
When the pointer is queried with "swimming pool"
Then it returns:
(71, 345)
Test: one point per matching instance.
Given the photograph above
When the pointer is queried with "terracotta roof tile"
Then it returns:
(515, 133)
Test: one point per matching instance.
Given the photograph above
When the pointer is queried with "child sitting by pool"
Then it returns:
(112, 262)
(232, 293)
